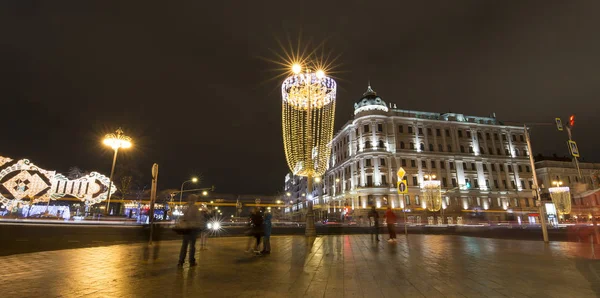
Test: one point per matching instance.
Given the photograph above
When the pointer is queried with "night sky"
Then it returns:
(186, 79)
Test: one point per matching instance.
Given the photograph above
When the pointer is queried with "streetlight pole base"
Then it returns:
(310, 230)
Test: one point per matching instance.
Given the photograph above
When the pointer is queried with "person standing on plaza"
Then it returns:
(204, 218)
(256, 230)
(390, 219)
(375, 219)
(189, 225)
(267, 234)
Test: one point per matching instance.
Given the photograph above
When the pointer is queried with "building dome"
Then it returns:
(369, 102)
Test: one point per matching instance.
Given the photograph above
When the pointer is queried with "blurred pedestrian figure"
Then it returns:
(256, 230)
(390, 219)
(267, 234)
(204, 217)
(189, 226)
(375, 219)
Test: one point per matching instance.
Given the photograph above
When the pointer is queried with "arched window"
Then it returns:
(462, 149)
(381, 145)
(422, 146)
(368, 144)
(412, 145)
(449, 148)
(516, 152)
(430, 147)
(401, 145)
(440, 148)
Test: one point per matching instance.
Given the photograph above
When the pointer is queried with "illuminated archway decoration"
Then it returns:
(561, 197)
(432, 195)
(22, 181)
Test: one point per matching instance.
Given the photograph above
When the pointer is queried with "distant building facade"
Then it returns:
(481, 163)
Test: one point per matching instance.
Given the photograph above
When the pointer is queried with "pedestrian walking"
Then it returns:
(256, 230)
(189, 226)
(374, 215)
(390, 220)
(267, 234)
(204, 218)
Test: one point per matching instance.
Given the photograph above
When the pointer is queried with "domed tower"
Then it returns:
(370, 102)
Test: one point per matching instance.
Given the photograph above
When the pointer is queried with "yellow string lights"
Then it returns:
(308, 109)
(432, 195)
(561, 197)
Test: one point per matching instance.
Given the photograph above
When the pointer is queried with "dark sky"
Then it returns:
(185, 80)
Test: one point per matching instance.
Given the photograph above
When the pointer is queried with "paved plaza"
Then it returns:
(328, 266)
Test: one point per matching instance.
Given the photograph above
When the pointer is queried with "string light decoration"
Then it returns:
(561, 197)
(432, 195)
(308, 110)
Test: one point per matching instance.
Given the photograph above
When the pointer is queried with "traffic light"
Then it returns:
(572, 120)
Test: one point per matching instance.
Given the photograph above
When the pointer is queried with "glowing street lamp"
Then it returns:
(116, 141)
(193, 180)
(205, 193)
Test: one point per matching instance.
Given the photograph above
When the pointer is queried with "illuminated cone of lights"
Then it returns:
(432, 195)
(308, 109)
(561, 197)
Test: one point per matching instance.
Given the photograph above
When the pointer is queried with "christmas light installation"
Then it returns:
(432, 193)
(308, 110)
(22, 181)
(561, 197)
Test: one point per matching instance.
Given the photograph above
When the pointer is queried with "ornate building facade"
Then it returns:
(481, 163)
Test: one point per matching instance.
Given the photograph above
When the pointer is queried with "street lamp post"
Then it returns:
(193, 180)
(116, 141)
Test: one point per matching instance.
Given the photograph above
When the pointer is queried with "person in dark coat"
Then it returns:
(375, 218)
(256, 229)
(267, 234)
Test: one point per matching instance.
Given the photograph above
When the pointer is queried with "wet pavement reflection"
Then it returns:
(326, 266)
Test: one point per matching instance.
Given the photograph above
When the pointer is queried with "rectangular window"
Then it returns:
(503, 137)
(423, 164)
(382, 161)
(410, 129)
(496, 136)
(447, 133)
(510, 169)
(496, 183)
(470, 149)
(412, 163)
(444, 182)
(415, 183)
(514, 138)
(383, 180)
(368, 162)
(433, 164)
(379, 127)
(522, 184)
(504, 184)
(490, 151)
(438, 132)
(417, 200)
(451, 165)
(460, 135)
(420, 131)
(462, 149)
(493, 167)
(476, 183)
(401, 129)
(404, 162)
(428, 131)
(512, 183)
(487, 183)
(479, 136)
(407, 199)
(521, 138)
(440, 148)
(501, 168)
(498, 151)
(487, 135)
(520, 168)
(527, 169)
(464, 166)
(473, 166)
(530, 184)
(442, 164)
(369, 180)
(484, 167)
(449, 148)
(468, 134)
(526, 202)
(366, 128)
(453, 182)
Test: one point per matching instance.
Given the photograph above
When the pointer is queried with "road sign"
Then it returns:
(401, 173)
(402, 187)
(573, 148)
(559, 124)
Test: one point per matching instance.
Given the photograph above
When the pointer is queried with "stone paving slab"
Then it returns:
(328, 266)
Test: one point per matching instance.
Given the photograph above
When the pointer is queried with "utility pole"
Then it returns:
(536, 187)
